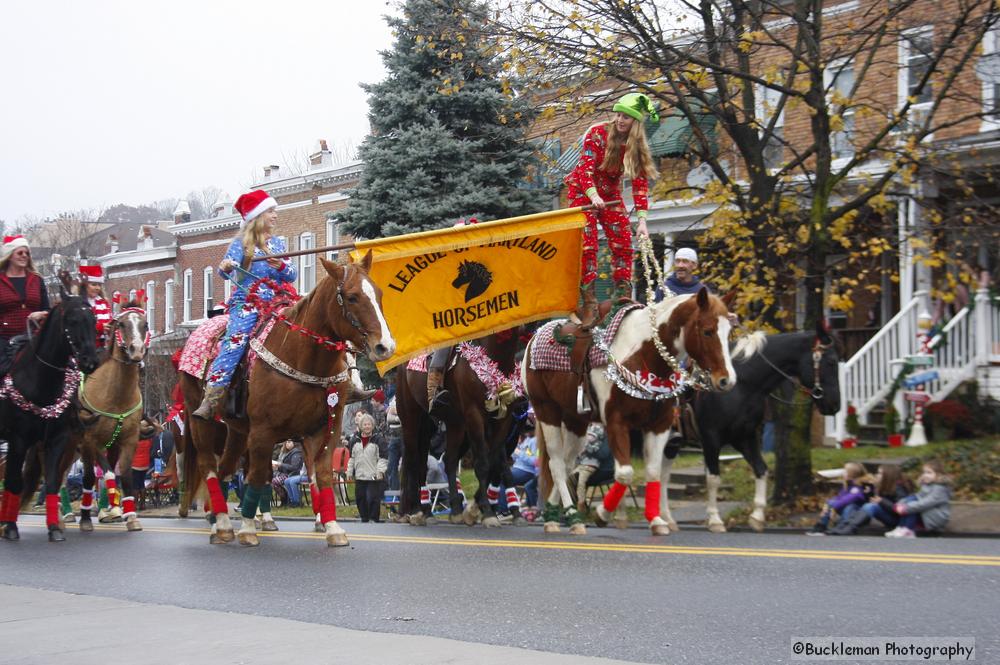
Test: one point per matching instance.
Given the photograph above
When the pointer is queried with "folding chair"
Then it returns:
(341, 456)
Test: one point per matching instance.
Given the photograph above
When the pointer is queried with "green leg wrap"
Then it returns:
(64, 504)
(265, 498)
(251, 497)
(573, 516)
(551, 512)
(102, 498)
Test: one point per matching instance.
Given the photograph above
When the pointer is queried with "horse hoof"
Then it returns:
(601, 517)
(257, 525)
(491, 522)
(10, 531)
(620, 523)
(249, 540)
(756, 524)
(403, 519)
(551, 527)
(519, 521)
(269, 525)
(112, 515)
(182, 511)
(716, 527)
(418, 519)
(222, 537)
(56, 535)
(673, 526)
(457, 519)
(337, 540)
(69, 518)
(318, 528)
(86, 525)
(578, 530)
(133, 525)
(660, 529)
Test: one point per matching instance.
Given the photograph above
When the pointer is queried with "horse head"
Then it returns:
(818, 371)
(130, 336)
(355, 314)
(705, 337)
(476, 275)
(74, 322)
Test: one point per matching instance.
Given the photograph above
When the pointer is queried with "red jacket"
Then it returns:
(102, 312)
(14, 309)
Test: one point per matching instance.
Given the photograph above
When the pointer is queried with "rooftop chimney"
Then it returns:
(223, 207)
(182, 213)
(321, 157)
(271, 172)
(112, 244)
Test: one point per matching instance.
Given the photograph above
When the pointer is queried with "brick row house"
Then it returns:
(179, 275)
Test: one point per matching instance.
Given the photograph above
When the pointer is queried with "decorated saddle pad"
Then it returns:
(205, 342)
(549, 354)
(484, 367)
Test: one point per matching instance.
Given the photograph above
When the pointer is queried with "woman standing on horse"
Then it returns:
(612, 150)
(257, 239)
(23, 296)
(98, 303)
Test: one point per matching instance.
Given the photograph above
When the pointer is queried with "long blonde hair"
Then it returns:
(637, 161)
(254, 236)
(28, 268)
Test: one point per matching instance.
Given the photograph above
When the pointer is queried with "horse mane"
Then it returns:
(298, 307)
(477, 270)
(748, 345)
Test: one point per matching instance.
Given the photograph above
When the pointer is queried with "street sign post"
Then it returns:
(915, 380)
(917, 396)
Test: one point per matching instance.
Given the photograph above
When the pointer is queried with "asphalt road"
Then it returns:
(694, 597)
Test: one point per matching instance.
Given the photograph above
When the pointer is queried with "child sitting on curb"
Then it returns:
(929, 509)
(857, 488)
(891, 487)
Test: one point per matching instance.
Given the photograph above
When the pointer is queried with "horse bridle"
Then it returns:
(120, 342)
(73, 351)
(348, 315)
(817, 355)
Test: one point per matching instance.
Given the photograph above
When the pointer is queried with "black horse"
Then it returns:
(735, 417)
(36, 401)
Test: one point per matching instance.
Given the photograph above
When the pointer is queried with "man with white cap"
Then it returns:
(683, 280)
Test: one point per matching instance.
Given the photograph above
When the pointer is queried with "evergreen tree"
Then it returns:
(447, 130)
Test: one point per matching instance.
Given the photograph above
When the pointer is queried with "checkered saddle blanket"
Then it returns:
(548, 354)
(205, 342)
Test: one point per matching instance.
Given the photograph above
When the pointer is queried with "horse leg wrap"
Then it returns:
(215, 495)
(251, 497)
(114, 498)
(512, 499)
(128, 507)
(573, 516)
(493, 494)
(52, 516)
(314, 495)
(458, 488)
(551, 512)
(327, 506)
(425, 496)
(87, 502)
(652, 500)
(265, 498)
(64, 503)
(614, 496)
(11, 507)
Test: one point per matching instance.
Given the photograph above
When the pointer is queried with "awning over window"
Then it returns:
(675, 137)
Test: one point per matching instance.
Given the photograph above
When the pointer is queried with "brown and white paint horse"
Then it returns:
(345, 305)
(694, 327)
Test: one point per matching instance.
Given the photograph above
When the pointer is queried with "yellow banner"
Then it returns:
(446, 286)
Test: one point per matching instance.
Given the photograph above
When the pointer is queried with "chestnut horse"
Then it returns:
(469, 424)
(695, 327)
(296, 390)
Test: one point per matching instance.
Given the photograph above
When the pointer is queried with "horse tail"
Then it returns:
(545, 473)
(32, 475)
(748, 345)
(188, 468)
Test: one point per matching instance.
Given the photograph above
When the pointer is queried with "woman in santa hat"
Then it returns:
(256, 239)
(23, 296)
(98, 303)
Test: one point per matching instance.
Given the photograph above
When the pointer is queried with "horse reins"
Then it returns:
(817, 354)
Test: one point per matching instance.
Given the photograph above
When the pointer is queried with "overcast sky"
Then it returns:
(108, 102)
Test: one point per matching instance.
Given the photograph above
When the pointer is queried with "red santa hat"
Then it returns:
(252, 204)
(94, 274)
(11, 243)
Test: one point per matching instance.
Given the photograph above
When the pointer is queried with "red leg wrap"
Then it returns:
(219, 504)
(128, 506)
(87, 502)
(614, 497)
(314, 493)
(425, 496)
(652, 500)
(114, 496)
(52, 510)
(11, 507)
(327, 506)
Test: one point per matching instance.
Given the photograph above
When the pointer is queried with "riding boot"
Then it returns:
(588, 310)
(210, 402)
(438, 398)
(623, 290)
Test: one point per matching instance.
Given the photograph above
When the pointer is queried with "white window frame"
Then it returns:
(903, 81)
(991, 98)
(207, 290)
(188, 293)
(151, 306)
(767, 101)
(307, 263)
(168, 306)
(332, 236)
(830, 76)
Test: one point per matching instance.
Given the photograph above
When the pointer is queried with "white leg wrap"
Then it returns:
(712, 484)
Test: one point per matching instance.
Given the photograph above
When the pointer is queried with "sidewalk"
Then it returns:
(44, 627)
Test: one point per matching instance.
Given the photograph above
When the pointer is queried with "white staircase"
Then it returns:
(967, 348)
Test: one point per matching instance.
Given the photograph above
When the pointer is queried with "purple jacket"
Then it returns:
(852, 493)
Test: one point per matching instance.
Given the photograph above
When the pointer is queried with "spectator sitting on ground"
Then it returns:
(855, 492)
(524, 471)
(594, 466)
(288, 463)
(929, 509)
(891, 487)
(367, 466)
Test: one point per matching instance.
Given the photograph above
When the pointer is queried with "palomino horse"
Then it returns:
(36, 401)
(111, 411)
(644, 354)
(470, 423)
(297, 390)
(734, 417)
